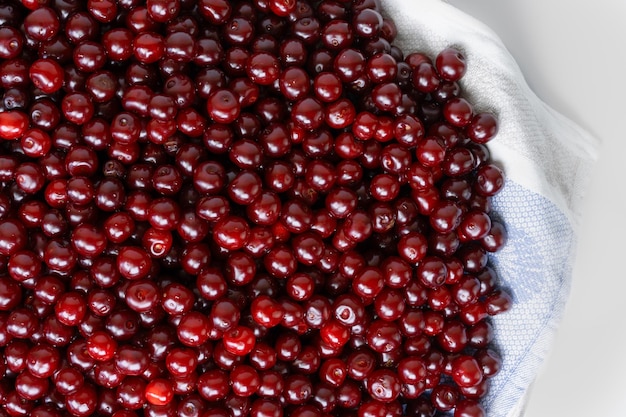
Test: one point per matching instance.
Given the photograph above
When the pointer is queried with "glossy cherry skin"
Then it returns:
(42, 24)
(133, 263)
(223, 106)
(11, 42)
(241, 208)
(193, 329)
(47, 75)
(159, 392)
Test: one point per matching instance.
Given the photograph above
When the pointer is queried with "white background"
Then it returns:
(573, 55)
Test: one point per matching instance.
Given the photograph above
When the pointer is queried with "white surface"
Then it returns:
(573, 57)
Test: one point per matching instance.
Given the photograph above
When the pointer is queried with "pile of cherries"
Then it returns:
(257, 208)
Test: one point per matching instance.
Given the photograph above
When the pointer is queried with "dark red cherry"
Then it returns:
(42, 24)
(383, 385)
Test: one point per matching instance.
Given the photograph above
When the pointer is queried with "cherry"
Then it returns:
(383, 385)
(450, 64)
(308, 113)
(213, 385)
(47, 75)
(11, 42)
(142, 295)
(389, 304)
(101, 346)
(89, 56)
(104, 10)
(71, 308)
(10, 294)
(466, 371)
(444, 397)
(239, 340)
(21, 323)
(468, 408)
(67, 380)
(262, 68)
(159, 392)
(133, 262)
(489, 180)
(148, 47)
(130, 360)
(193, 329)
(130, 393)
(482, 128)
(12, 236)
(42, 24)
(13, 124)
(223, 106)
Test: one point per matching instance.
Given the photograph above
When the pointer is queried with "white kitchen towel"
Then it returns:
(547, 160)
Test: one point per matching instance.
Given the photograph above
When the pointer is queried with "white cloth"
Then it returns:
(547, 160)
